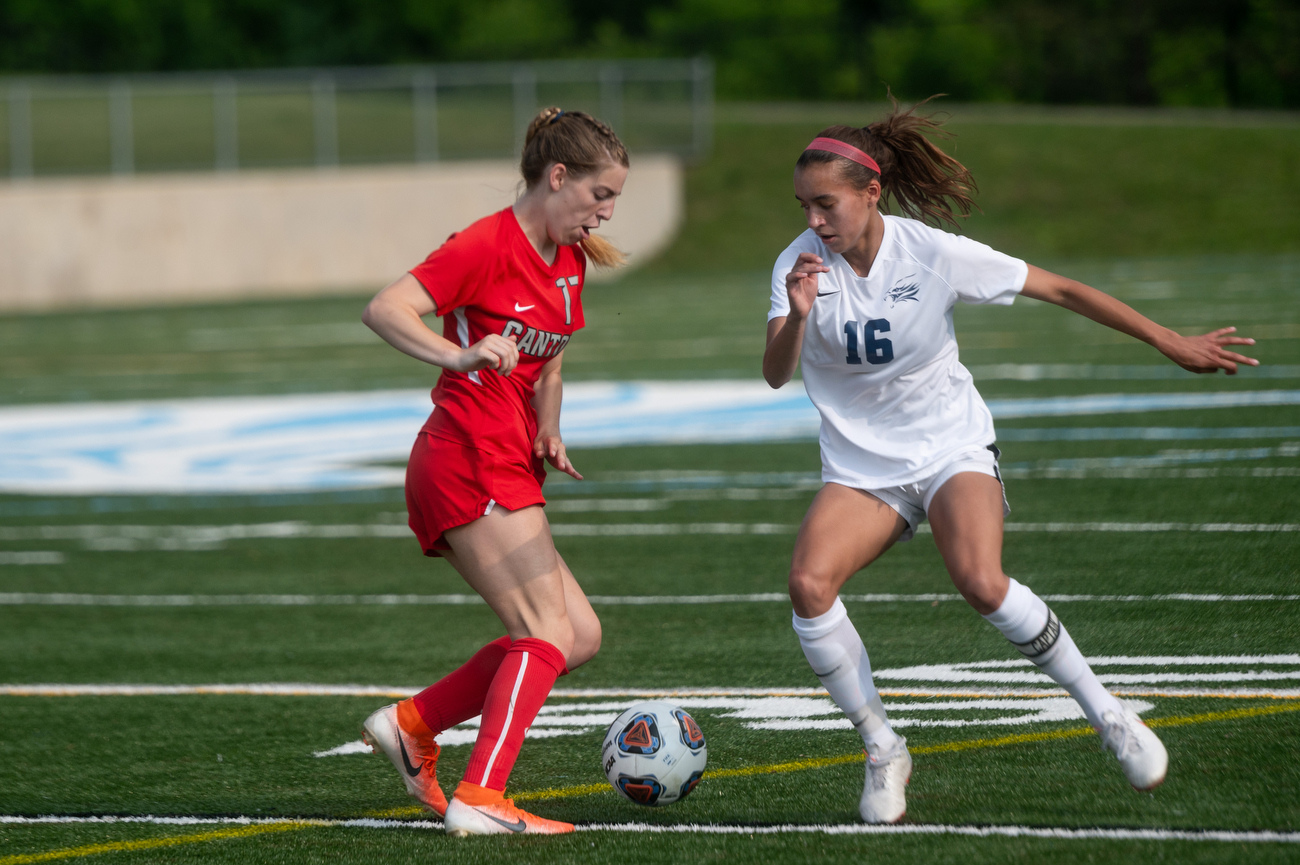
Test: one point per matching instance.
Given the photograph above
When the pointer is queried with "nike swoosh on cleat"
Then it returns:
(406, 761)
(513, 827)
(519, 308)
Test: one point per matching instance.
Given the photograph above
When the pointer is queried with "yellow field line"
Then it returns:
(590, 789)
(942, 748)
(1229, 715)
(562, 792)
(945, 747)
(151, 843)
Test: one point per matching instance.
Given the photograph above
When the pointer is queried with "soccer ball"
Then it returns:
(654, 754)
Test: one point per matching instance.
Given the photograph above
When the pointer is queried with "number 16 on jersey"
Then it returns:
(876, 349)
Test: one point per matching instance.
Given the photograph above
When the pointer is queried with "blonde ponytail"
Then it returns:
(601, 253)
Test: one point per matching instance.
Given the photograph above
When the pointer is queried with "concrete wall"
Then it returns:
(199, 237)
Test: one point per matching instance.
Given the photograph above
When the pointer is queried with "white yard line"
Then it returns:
(1139, 473)
(77, 599)
(276, 689)
(977, 831)
(1053, 833)
(1104, 372)
(153, 820)
(1142, 433)
(126, 538)
(32, 557)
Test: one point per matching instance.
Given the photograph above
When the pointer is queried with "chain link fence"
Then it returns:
(70, 125)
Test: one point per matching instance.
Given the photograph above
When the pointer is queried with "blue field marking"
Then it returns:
(354, 441)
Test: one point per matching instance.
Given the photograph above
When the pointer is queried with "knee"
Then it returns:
(811, 593)
(984, 591)
(558, 631)
(586, 643)
(563, 639)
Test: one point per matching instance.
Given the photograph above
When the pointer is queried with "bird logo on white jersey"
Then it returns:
(903, 290)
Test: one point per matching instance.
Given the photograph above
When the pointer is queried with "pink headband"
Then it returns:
(848, 151)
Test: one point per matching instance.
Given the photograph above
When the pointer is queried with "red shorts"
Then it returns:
(449, 484)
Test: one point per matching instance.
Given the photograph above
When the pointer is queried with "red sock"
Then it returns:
(518, 691)
(459, 695)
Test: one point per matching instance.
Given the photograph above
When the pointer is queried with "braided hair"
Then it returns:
(583, 145)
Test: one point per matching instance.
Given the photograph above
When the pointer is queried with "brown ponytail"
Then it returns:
(925, 182)
(583, 145)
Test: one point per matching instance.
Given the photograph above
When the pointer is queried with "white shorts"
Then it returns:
(912, 501)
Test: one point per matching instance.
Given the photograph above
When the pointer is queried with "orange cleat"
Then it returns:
(476, 810)
(399, 733)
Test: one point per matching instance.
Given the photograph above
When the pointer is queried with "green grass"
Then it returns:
(645, 326)
(174, 126)
(160, 754)
(1065, 185)
(699, 314)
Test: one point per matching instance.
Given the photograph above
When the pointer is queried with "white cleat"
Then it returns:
(415, 760)
(883, 799)
(1141, 753)
(477, 810)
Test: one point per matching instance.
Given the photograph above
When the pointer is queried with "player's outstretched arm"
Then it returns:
(395, 314)
(1204, 353)
(547, 395)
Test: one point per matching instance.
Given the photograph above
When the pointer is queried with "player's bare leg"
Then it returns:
(508, 557)
(966, 516)
(844, 531)
(586, 626)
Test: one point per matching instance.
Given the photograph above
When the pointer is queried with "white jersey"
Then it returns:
(879, 355)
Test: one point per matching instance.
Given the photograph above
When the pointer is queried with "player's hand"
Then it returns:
(801, 284)
(491, 352)
(1206, 353)
(549, 447)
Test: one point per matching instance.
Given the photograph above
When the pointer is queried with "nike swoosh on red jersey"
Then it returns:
(519, 308)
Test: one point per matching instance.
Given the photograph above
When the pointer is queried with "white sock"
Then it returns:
(833, 648)
(1034, 629)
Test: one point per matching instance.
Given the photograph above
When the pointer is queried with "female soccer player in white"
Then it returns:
(509, 289)
(865, 302)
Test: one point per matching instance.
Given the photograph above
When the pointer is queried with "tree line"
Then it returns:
(1243, 53)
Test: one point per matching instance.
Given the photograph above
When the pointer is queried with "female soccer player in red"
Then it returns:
(509, 290)
(864, 302)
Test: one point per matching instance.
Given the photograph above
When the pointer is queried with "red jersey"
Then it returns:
(490, 279)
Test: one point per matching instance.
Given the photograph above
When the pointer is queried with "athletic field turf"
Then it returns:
(1168, 541)
(1133, 519)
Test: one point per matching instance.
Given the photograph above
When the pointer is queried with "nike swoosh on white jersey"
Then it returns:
(519, 308)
